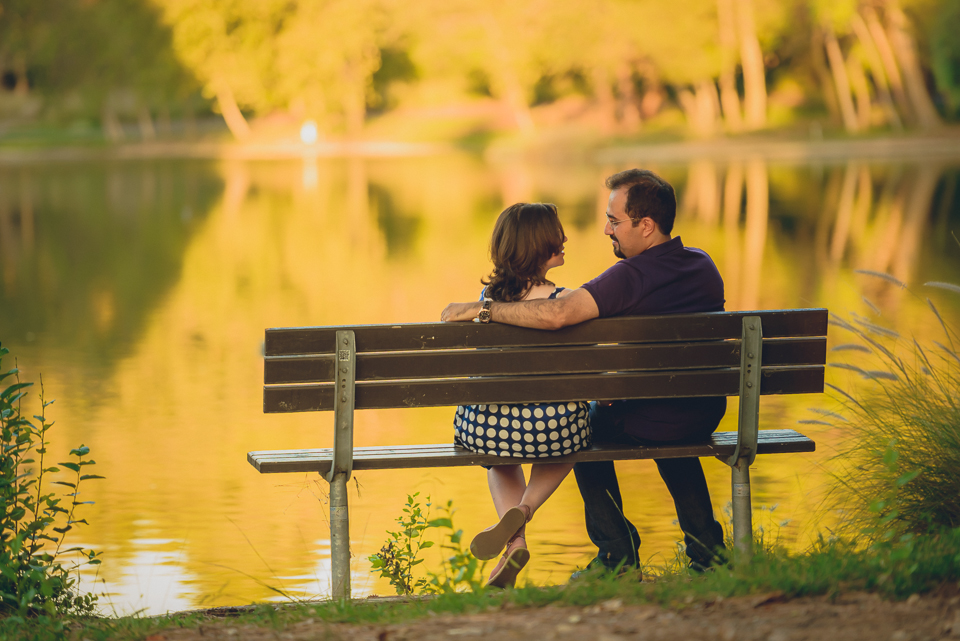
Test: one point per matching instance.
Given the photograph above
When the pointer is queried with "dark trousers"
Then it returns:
(616, 538)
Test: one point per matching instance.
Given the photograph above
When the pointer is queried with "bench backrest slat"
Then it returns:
(525, 389)
(543, 360)
(433, 364)
(673, 328)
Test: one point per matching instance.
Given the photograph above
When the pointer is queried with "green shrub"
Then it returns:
(901, 458)
(35, 522)
(398, 557)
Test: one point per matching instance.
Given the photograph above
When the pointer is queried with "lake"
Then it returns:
(140, 291)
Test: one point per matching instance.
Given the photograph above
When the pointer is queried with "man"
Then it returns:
(657, 275)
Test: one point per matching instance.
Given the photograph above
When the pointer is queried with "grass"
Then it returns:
(901, 462)
(894, 569)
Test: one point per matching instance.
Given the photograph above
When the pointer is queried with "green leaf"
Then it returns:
(906, 478)
(91, 476)
(83, 450)
(13, 388)
(441, 522)
(426, 544)
(71, 466)
(67, 483)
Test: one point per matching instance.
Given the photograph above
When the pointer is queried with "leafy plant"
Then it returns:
(901, 460)
(460, 569)
(399, 555)
(33, 577)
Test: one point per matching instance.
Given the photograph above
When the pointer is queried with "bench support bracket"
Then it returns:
(747, 434)
(342, 464)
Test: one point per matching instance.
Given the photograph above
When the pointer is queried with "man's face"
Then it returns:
(627, 240)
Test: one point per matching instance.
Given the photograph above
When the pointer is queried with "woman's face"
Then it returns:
(556, 260)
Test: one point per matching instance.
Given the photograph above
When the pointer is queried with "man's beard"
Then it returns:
(616, 248)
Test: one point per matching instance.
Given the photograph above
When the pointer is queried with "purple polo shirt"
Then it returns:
(666, 279)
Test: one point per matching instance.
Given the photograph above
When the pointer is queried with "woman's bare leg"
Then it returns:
(507, 486)
(545, 478)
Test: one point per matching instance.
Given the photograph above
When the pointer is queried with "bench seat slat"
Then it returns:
(449, 455)
(524, 389)
(543, 360)
(673, 328)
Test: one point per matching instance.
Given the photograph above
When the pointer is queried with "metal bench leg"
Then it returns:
(751, 347)
(339, 538)
(742, 510)
(342, 464)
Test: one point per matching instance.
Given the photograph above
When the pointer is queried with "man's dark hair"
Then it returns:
(648, 195)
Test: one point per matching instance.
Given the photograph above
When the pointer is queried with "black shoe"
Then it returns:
(597, 569)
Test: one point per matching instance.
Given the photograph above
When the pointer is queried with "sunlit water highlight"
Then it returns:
(141, 291)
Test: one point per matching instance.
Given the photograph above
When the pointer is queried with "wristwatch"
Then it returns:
(484, 314)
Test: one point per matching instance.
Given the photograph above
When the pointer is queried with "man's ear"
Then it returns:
(649, 226)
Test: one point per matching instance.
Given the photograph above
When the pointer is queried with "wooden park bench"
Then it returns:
(434, 364)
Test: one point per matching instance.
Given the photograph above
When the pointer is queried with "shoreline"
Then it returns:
(942, 146)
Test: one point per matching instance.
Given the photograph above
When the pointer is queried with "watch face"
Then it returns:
(484, 316)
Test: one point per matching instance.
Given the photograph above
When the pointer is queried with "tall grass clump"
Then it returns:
(900, 463)
(35, 578)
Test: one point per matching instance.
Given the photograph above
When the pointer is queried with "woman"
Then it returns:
(527, 243)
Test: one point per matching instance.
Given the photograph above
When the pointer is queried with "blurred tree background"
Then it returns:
(143, 69)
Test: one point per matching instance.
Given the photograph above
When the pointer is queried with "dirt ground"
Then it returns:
(771, 617)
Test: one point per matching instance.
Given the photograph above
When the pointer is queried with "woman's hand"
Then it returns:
(460, 312)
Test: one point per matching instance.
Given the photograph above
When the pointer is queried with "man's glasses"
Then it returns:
(615, 223)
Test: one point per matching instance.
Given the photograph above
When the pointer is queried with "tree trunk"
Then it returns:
(606, 101)
(861, 91)
(841, 81)
(629, 111)
(906, 52)
(751, 57)
(22, 87)
(112, 129)
(729, 97)
(164, 126)
(700, 107)
(822, 69)
(145, 121)
(875, 64)
(889, 63)
(354, 102)
(506, 82)
(236, 123)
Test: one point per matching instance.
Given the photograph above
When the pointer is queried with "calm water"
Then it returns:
(141, 290)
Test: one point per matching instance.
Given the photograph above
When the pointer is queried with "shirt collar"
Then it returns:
(664, 248)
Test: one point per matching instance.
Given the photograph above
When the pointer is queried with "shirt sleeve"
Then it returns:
(616, 290)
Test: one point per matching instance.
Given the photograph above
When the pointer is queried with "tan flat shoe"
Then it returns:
(514, 559)
(489, 543)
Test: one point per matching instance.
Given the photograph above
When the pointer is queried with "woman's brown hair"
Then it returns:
(525, 236)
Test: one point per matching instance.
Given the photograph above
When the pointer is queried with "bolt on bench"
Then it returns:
(342, 369)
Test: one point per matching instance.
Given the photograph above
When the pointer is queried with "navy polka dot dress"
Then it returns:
(529, 430)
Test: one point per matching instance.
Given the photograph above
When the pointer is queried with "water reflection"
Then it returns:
(141, 291)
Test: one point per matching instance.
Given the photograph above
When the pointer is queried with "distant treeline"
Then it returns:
(727, 65)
